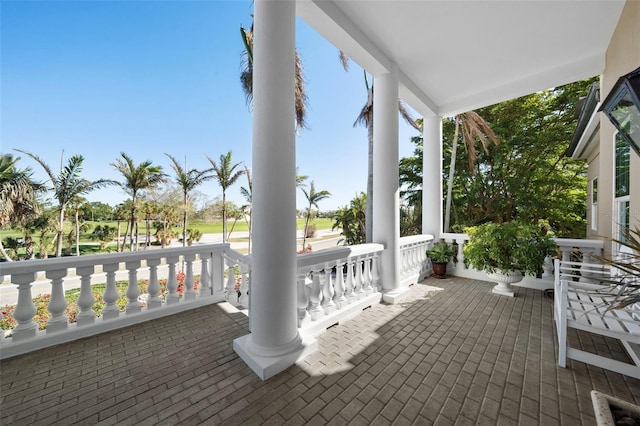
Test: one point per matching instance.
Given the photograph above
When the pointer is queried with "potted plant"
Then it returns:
(506, 251)
(440, 253)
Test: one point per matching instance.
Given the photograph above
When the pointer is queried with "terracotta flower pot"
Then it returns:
(439, 269)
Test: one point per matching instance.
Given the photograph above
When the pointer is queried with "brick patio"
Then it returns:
(458, 356)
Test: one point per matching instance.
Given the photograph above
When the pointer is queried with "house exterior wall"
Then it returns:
(623, 56)
(593, 172)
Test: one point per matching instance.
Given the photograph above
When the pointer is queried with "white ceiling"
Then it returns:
(454, 56)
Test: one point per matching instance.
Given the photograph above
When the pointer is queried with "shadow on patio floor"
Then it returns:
(459, 356)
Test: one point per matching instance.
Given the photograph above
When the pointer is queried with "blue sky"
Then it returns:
(97, 78)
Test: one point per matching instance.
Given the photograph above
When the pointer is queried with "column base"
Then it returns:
(268, 366)
(394, 296)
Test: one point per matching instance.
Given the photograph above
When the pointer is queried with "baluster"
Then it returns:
(172, 281)
(315, 293)
(375, 276)
(205, 278)
(586, 272)
(302, 298)
(57, 303)
(351, 295)
(404, 262)
(359, 285)
(216, 274)
(86, 300)
(243, 299)
(423, 261)
(110, 295)
(133, 289)
(230, 289)
(154, 300)
(566, 257)
(547, 267)
(338, 297)
(327, 291)
(367, 276)
(25, 309)
(460, 256)
(189, 280)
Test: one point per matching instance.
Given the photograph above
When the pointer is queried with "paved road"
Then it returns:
(9, 292)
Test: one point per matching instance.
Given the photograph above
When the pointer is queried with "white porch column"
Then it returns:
(274, 343)
(386, 219)
(432, 176)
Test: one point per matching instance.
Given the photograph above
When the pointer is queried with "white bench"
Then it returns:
(583, 306)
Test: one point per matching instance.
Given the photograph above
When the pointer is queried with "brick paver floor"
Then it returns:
(455, 357)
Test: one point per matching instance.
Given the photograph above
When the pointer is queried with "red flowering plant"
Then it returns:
(41, 301)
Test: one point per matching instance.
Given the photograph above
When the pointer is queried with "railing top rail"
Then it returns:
(454, 236)
(237, 256)
(562, 242)
(325, 256)
(36, 265)
(412, 239)
(574, 242)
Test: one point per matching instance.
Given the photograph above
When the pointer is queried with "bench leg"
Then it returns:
(562, 345)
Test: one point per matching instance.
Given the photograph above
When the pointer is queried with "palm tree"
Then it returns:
(313, 197)
(246, 78)
(365, 118)
(247, 193)
(66, 186)
(149, 208)
(187, 181)
(18, 195)
(136, 179)
(76, 205)
(474, 128)
(121, 212)
(226, 174)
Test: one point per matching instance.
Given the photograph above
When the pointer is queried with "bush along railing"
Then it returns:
(167, 276)
(336, 284)
(413, 255)
(569, 249)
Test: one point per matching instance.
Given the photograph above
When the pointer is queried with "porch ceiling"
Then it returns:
(454, 56)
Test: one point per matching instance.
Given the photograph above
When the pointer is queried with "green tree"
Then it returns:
(226, 174)
(104, 234)
(526, 177)
(67, 185)
(41, 226)
(313, 197)
(351, 219)
(18, 195)
(138, 178)
(410, 174)
(96, 211)
(188, 180)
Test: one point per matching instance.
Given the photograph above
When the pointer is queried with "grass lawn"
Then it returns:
(88, 246)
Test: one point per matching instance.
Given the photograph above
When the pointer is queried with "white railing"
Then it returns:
(569, 248)
(415, 265)
(336, 284)
(51, 275)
